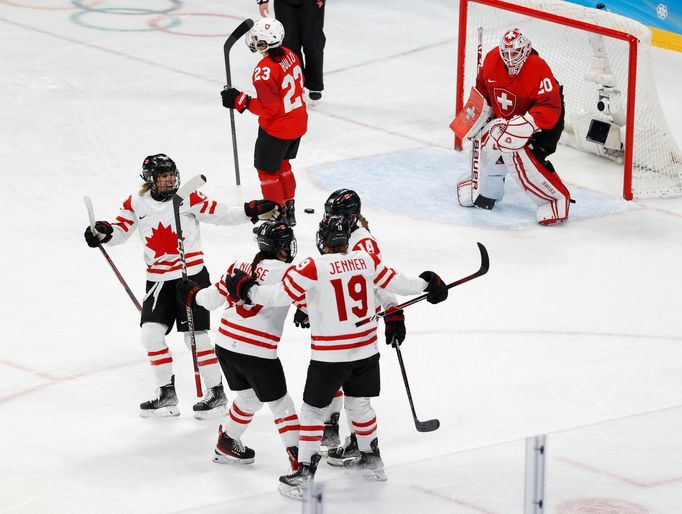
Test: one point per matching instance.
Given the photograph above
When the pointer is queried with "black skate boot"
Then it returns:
(290, 214)
(297, 484)
(337, 456)
(231, 451)
(368, 463)
(164, 405)
(315, 96)
(331, 439)
(292, 452)
(212, 405)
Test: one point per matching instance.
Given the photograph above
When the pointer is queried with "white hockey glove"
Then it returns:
(516, 133)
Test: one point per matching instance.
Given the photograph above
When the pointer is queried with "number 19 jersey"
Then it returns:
(280, 104)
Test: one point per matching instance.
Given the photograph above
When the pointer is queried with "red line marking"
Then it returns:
(621, 478)
(28, 370)
(450, 499)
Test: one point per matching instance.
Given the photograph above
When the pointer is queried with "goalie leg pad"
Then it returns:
(542, 185)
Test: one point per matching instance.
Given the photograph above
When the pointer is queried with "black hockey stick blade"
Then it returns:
(427, 426)
(482, 270)
(242, 29)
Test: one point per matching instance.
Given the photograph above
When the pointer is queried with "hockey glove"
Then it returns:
(516, 133)
(301, 319)
(239, 285)
(436, 288)
(262, 210)
(186, 292)
(105, 233)
(395, 328)
(235, 99)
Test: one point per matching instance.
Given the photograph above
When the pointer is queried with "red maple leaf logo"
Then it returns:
(163, 241)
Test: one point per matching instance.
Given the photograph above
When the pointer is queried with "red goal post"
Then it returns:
(603, 62)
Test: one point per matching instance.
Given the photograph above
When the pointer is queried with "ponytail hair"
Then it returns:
(260, 256)
(276, 54)
(363, 221)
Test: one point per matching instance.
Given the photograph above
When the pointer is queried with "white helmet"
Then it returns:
(266, 33)
(514, 50)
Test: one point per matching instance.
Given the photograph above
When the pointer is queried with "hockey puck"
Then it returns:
(309, 210)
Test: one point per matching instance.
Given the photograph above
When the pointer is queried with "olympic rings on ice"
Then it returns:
(13, 3)
(78, 19)
(154, 23)
(81, 4)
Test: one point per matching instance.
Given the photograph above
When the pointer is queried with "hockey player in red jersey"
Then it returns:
(152, 212)
(246, 346)
(527, 103)
(347, 203)
(281, 111)
(338, 290)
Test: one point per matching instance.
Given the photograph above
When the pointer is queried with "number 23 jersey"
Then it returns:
(279, 104)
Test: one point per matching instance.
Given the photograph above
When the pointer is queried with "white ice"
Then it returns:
(575, 332)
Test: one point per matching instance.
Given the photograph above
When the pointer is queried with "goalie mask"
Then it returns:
(162, 188)
(275, 237)
(265, 34)
(514, 50)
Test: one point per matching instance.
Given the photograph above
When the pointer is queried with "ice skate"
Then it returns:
(231, 451)
(331, 439)
(296, 484)
(314, 97)
(212, 405)
(337, 456)
(164, 405)
(368, 463)
(292, 452)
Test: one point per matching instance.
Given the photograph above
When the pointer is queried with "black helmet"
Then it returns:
(344, 202)
(275, 236)
(152, 166)
(333, 231)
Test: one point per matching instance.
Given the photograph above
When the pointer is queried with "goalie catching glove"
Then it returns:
(513, 134)
(235, 99)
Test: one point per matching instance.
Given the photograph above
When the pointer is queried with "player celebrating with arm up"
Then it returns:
(338, 288)
(246, 347)
(281, 111)
(152, 212)
(527, 102)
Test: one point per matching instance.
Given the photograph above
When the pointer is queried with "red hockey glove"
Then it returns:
(262, 210)
(395, 328)
(516, 133)
(239, 285)
(186, 292)
(235, 99)
(436, 288)
(105, 230)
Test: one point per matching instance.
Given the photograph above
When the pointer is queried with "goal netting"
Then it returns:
(603, 62)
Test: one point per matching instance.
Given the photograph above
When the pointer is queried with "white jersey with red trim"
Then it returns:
(156, 224)
(362, 239)
(339, 291)
(248, 329)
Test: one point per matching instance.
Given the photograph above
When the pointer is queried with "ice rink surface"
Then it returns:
(575, 332)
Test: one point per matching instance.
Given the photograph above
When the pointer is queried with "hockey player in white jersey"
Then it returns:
(151, 211)
(338, 290)
(347, 203)
(246, 347)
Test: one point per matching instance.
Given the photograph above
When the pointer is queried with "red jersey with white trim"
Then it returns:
(279, 101)
(362, 239)
(534, 90)
(339, 291)
(248, 329)
(156, 223)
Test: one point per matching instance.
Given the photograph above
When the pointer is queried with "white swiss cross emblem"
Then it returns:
(510, 36)
(470, 113)
(506, 100)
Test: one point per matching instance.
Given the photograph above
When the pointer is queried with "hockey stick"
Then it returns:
(422, 426)
(476, 140)
(485, 264)
(242, 29)
(91, 216)
(185, 190)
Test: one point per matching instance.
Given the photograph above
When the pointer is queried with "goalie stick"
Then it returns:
(182, 193)
(91, 216)
(482, 270)
(242, 29)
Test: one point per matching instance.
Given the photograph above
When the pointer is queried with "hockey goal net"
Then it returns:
(603, 62)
